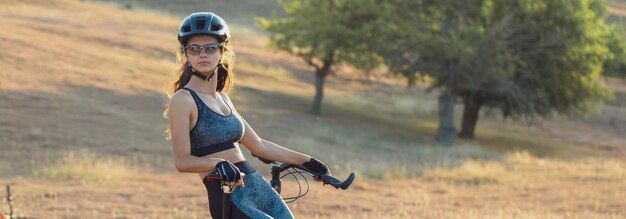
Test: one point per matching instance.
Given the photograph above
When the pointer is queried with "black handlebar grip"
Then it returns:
(338, 183)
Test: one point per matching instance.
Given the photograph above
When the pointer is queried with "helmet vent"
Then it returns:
(216, 27)
(186, 28)
(200, 24)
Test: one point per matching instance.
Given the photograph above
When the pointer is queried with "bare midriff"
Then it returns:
(233, 155)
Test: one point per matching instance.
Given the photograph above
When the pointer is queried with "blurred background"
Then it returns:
(445, 109)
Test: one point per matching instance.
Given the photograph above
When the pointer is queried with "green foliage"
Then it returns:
(562, 55)
(324, 34)
(313, 30)
(529, 58)
(616, 64)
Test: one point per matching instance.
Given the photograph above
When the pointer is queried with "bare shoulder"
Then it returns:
(181, 100)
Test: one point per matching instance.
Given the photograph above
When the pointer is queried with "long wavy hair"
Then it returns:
(182, 75)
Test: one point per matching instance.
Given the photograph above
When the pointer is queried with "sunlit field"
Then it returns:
(82, 133)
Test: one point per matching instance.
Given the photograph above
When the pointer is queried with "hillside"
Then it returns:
(238, 12)
(82, 135)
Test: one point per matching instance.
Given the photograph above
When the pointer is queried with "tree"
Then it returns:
(323, 34)
(529, 58)
(558, 49)
(432, 38)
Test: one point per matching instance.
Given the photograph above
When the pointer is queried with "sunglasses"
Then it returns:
(195, 50)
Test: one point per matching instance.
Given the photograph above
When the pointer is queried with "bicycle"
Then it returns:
(276, 182)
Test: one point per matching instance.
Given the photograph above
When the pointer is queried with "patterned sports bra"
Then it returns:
(213, 132)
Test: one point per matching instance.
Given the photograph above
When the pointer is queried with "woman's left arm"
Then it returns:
(270, 150)
(267, 149)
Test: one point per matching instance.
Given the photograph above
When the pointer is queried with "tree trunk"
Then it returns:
(319, 94)
(471, 111)
(410, 82)
(446, 130)
(320, 76)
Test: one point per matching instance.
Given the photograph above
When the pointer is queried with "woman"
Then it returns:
(204, 126)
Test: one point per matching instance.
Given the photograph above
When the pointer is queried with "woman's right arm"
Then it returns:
(179, 114)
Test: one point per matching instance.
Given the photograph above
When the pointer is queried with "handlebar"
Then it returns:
(275, 182)
(278, 168)
(326, 179)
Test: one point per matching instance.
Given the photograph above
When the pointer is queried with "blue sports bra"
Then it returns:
(213, 132)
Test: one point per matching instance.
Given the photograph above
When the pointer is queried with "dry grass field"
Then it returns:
(82, 133)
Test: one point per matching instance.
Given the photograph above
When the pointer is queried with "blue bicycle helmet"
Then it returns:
(203, 23)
